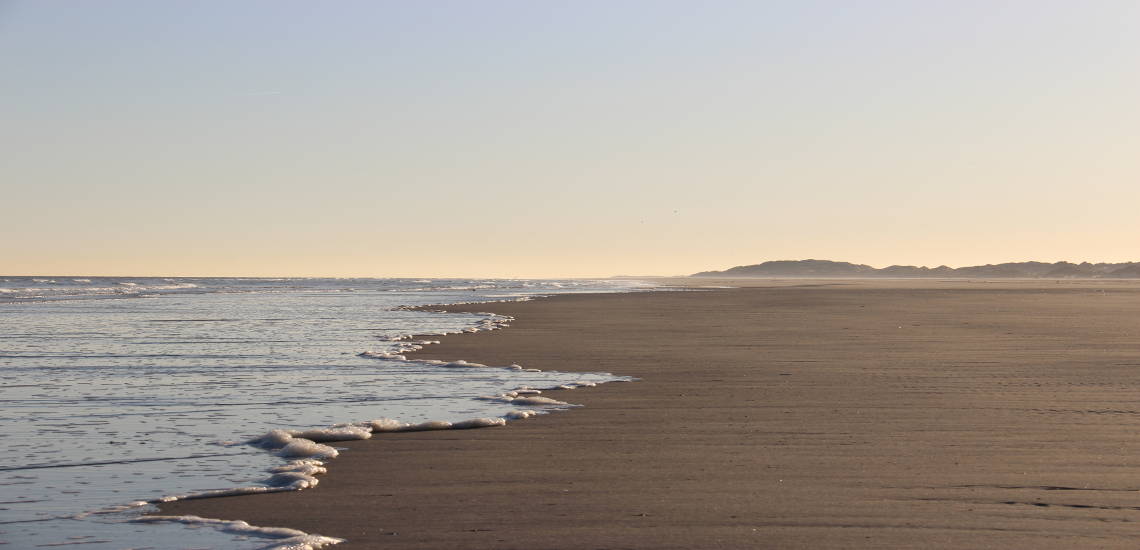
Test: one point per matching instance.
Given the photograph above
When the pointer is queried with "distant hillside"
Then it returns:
(1019, 270)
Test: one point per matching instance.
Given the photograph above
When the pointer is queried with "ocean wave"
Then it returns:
(86, 288)
(78, 287)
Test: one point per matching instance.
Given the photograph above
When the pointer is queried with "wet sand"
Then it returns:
(837, 414)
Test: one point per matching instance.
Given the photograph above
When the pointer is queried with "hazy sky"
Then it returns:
(571, 138)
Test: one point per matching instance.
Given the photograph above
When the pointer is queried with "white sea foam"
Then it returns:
(233, 492)
(292, 480)
(275, 439)
(283, 538)
(537, 401)
(289, 446)
(336, 433)
(478, 423)
(382, 355)
(308, 467)
(530, 400)
(380, 425)
(426, 426)
(305, 448)
(462, 364)
(297, 475)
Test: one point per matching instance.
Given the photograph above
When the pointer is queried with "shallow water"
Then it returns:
(115, 390)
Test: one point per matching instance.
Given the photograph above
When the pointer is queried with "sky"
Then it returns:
(563, 138)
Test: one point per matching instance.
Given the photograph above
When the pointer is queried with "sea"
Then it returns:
(117, 393)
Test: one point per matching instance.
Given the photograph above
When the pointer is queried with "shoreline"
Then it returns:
(290, 538)
(841, 415)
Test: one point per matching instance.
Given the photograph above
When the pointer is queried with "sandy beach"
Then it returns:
(825, 414)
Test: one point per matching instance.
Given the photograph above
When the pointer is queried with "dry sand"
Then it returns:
(839, 414)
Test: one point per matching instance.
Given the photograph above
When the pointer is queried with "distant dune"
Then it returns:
(1015, 270)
